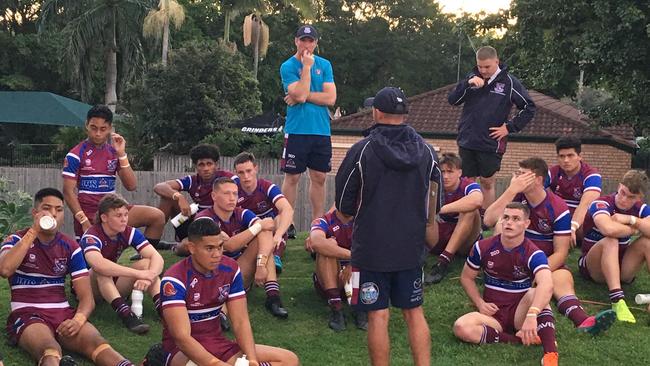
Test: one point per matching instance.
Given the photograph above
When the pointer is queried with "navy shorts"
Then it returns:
(479, 163)
(378, 290)
(306, 151)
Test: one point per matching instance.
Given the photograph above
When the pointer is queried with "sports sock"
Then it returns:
(125, 362)
(570, 306)
(121, 308)
(334, 298)
(156, 304)
(445, 257)
(272, 288)
(616, 294)
(546, 330)
(491, 335)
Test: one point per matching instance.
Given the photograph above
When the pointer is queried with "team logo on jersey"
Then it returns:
(369, 293)
(60, 265)
(194, 282)
(111, 165)
(499, 87)
(543, 224)
(490, 264)
(262, 205)
(65, 163)
(169, 289)
(601, 205)
(318, 72)
(494, 252)
(88, 162)
(103, 183)
(32, 257)
(518, 272)
(240, 199)
(577, 193)
(224, 291)
(336, 228)
(89, 152)
(196, 296)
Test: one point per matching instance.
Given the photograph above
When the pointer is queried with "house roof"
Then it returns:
(432, 116)
(41, 108)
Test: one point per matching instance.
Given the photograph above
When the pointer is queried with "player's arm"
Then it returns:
(642, 224)
(108, 268)
(156, 261)
(468, 281)
(285, 218)
(587, 198)
(12, 256)
(457, 95)
(327, 247)
(238, 313)
(126, 174)
(469, 203)
(611, 228)
(348, 183)
(167, 189)
(543, 288)
(524, 103)
(299, 91)
(518, 184)
(70, 196)
(327, 97)
(181, 331)
(561, 245)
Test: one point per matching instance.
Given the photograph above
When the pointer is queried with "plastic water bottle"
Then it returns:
(47, 223)
(190, 363)
(348, 290)
(642, 299)
(179, 219)
(136, 302)
(242, 361)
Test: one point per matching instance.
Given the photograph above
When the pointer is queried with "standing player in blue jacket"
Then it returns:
(385, 181)
(488, 92)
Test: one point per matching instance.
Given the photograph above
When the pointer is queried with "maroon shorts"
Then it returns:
(321, 291)
(445, 229)
(582, 262)
(279, 251)
(506, 316)
(219, 346)
(20, 319)
(90, 214)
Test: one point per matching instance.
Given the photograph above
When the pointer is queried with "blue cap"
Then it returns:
(389, 100)
(307, 31)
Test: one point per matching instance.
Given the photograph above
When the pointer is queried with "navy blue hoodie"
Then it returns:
(490, 106)
(384, 182)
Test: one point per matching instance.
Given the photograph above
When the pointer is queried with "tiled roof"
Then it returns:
(430, 113)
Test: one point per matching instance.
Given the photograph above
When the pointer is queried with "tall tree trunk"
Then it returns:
(165, 45)
(110, 96)
(226, 27)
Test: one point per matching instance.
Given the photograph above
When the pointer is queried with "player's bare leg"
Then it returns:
(37, 339)
(327, 269)
(488, 187)
(93, 346)
(419, 335)
(290, 192)
(317, 193)
(378, 339)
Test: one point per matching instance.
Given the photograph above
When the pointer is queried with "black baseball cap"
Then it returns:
(307, 31)
(389, 100)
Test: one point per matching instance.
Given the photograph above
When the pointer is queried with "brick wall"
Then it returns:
(611, 162)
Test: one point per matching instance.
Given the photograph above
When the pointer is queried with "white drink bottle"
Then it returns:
(179, 219)
(136, 302)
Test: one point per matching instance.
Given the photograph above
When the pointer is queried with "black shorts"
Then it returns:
(479, 163)
(378, 290)
(306, 151)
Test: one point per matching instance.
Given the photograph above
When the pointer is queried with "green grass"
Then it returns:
(306, 332)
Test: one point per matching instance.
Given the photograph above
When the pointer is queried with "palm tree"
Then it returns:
(111, 25)
(156, 23)
(257, 33)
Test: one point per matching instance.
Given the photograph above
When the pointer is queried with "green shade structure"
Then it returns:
(41, 108)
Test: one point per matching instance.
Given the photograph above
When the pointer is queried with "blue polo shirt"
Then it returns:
(307, 118)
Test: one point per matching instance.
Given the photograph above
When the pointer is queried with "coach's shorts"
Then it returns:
(306, 151)
(378, 290)
(20, 319)
(479, 163)
(219, 346)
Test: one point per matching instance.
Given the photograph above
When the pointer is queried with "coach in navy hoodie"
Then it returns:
(385, 181)
(488, 93)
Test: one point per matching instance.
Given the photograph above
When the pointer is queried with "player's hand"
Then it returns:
(528, 331)
(521, 182)
(308, 246)
(476, 82)
(186, 210)
(500, 132)
(487, 308)
(621, 218)
(307, 59)
(261, 273)
(289, 100)
(147, 275)
(277, 240)
(267, 224)
(118, 143)
(142, 285)
(68, 328)
(345, 274)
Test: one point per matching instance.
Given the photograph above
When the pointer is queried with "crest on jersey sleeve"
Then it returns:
(169, 289)
(224, 291)
(600, 205)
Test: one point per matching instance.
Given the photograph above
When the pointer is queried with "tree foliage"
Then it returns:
(554, 40)
(203, 89)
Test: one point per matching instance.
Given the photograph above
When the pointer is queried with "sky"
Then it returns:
(473, 6)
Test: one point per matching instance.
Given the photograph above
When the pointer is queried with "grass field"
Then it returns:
(306, 332)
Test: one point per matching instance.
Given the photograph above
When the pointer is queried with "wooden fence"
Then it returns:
(183, 163)
(30, 180)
